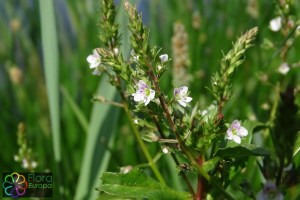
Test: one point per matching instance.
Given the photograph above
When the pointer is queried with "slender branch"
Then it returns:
(185, 178)
(162, 99)
(143, 147)
(180, 141)
(138, 138)
(106, 101)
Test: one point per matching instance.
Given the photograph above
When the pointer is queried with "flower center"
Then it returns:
(147, 91)
(234, 131)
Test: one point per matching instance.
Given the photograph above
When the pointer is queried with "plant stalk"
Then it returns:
(180, 141)
(139, 139)
(201, 182)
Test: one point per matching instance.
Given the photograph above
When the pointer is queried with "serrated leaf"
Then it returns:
(137, 184)
(241, 151)
(297, 144)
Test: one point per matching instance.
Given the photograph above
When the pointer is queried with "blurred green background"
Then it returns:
(45, 81)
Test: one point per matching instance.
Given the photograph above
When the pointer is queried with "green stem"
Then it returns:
(143, 147)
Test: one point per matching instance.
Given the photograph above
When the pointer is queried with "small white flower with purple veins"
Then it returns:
(143, 93)
(275, 24)
(95, 61)
(181, 95)
(236, 131)
(163, 58)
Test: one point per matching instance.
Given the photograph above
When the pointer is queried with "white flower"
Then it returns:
(95, 61)
(269, 192)
(163, 58)
(204, 112)
(159, 67)
(116, 51)
(181, 95)
(143, 93)
(165, 149)
(236, 131)
(126, 169)
(34, 164)
(284, 68)
(275, 24)
(25, 163)
(135, 56)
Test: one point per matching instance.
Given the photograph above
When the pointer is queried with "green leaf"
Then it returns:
(251, 126)
(241, 151)
(297, 145)
(75, 109)
(51, 66)
(96, 156)
(293, 192)
(211, 164)
(137, 184)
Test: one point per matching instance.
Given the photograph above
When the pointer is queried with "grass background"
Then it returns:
(77, 139)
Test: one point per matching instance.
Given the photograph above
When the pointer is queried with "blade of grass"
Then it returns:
(87, 180)
(50, 54)
(96, 156)
(76, 110)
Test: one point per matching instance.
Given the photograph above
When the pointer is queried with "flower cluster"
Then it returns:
(145, 94)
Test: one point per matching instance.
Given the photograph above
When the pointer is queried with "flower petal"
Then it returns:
(275, 24)
(229, 135)
(138, 96)
(236, 139)
(242, 132)
(152, 94)
(142, 85)
(176, 91)
(236, 124)
(188, 99)
(163, 58)
(90, 59)
(182, 103)
(147, 100)
(183, 90)
(284, 68)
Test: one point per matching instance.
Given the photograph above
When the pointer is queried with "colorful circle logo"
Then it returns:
(15, 185)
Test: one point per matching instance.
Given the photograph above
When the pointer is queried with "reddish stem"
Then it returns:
(201, 182)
